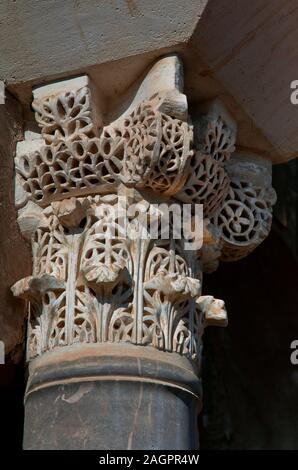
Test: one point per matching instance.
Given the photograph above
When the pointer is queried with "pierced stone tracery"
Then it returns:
(245, 216)
(147, 149)
(92, 283)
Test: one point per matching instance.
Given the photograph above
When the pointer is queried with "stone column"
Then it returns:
(116, 315)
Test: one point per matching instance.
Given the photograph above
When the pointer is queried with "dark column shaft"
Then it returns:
(112, 397)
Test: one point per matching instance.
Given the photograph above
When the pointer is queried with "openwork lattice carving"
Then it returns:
(93, 281)
(54, 172)
(146, 149)
(245, 217)
(219, 140)
(207, 183)
(66, 116)
(215, 132)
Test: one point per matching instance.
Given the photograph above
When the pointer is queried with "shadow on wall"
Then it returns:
(285, 182)
(12, 389)
(250, 385)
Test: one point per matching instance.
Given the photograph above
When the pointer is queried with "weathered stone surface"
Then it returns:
(15, 255)
(112, 287)
(100, 278)
(98, 32)
(87, 287)
(245, 216)
(224, 45)
(112, 397)
(250, 47)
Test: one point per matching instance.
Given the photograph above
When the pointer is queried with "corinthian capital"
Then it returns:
(91, 283)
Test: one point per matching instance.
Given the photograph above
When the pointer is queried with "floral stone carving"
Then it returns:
(93, 283)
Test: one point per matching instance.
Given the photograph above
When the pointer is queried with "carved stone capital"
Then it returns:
(92, 283)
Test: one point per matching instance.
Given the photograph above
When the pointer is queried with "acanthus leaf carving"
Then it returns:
(91, 282)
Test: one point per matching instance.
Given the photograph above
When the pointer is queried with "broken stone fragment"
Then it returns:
(30, 218)
(214, 311)
(32, 287)
(70, 212)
